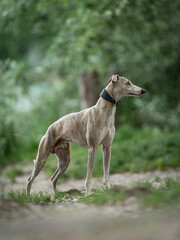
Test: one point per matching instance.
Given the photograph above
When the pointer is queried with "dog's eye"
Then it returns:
(128, 83)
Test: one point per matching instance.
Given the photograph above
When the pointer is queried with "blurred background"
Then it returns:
(56, 57)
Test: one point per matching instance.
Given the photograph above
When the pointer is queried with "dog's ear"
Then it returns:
(114, 78)
(110, 80)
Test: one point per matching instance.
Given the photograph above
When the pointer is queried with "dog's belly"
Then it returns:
(81, 143)
(79, 138)
(86, 140)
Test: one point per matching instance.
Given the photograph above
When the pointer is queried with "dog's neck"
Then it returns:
(108, 109)
(109, 94)
(111, 91)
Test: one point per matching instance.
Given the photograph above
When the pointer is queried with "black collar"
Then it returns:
(104, 94)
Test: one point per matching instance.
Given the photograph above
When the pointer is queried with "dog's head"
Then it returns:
(122, 87)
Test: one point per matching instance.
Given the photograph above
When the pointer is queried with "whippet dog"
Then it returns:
(88, 128)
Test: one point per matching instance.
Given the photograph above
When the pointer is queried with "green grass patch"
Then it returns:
(102, 196)
(13, 173)
(132, 150)
(22, 197)
(71, 193)
(166, 195)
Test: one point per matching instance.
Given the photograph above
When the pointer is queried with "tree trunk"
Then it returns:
(89, 88)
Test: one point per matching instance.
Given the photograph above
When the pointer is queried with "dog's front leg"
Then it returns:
(91, 157)
(106, 164)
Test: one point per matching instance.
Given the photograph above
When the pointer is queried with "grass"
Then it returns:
(72, 193)
(13, 173)
(103, 195)
(133, 150)
(166, 195)
(22, 197)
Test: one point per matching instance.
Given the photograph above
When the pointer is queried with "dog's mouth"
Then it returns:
(137, 94)
(134, 94)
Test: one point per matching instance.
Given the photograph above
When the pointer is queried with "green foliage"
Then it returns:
(144, 149)
(45, 45)
(25, 118)
(13, 173)
(8, 97)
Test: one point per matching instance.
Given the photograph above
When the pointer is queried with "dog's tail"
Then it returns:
(42, 156)
(31, 174)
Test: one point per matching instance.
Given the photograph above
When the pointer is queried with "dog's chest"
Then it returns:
(101, 134)
(99, 127)
(97, 134)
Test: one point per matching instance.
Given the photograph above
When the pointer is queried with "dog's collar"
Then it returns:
(104, 94)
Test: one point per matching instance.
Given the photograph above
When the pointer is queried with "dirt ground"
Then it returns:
(70, 219)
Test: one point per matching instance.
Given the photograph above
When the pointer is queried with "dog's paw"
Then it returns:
(87, 194)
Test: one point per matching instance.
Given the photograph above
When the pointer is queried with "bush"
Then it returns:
(27, 112)
(8, 97)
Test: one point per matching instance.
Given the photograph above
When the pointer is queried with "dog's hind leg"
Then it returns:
(62, 153)
(42, 156)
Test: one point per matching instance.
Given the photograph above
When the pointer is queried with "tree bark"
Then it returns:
(89, 88)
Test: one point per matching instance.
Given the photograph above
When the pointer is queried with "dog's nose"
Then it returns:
(142, 91)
